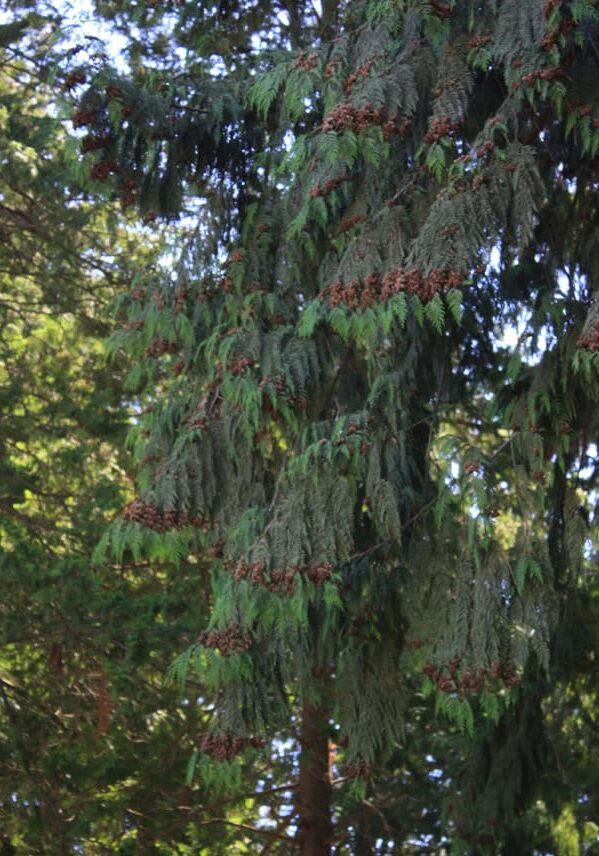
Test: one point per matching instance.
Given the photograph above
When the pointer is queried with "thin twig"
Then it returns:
(266, 832)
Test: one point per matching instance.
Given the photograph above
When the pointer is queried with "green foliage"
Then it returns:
(327, 400)
(85, 717)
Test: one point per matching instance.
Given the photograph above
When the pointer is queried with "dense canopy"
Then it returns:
(354, 260)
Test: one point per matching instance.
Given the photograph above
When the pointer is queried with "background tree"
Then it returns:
(93, 746)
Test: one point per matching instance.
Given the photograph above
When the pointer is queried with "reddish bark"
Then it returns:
(315, 828)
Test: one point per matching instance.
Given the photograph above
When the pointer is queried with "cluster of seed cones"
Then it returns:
(160, 520)
(453, 679)
(439, 128)
(279, 582)
(356, 770)
(231, 640)
(161, 346)
(374, 288)
(357, 119)
(225, 747)
(590, 341)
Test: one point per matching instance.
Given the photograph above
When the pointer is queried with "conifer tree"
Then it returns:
(83, 646)
(371, 376)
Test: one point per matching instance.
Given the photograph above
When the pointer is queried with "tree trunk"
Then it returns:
(315, 828)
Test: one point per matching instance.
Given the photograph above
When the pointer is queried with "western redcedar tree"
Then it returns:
(372, 374)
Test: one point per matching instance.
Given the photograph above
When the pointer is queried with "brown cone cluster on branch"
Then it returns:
(240, 366)
(149, 515)
(92, 143)
(225, 285)
(440, 10)
(133, 326)
(161, 346)
(282, 390)
(359, 73)
(349, 222)
(542, 74)
(197, 422)
(74, 78)
(360, 294)
(345, 116)
(215, 550)
(113, 91)
(328, 187)
(181, 295)
(278, 381)
(84, 116)
(330, 68)
(564, 24)
(438, 129)
(102, 169)
(306, 62)
(225, 747)
(356, 770)
(229, 641)
(550, 6)
(590, 341)
(278, 581)
(452, 679)
(479, 40)
(128, 195)
(254, 572)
